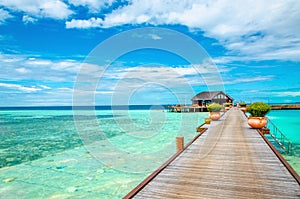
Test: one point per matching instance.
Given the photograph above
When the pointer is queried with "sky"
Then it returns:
(106, 52)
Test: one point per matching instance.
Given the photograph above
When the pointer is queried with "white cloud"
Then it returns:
(38, 62)
(22, 70)
(155, 36)
(56, 9)
(104, 92)
(253, 30)
(287, 93)
(249, 79)
(66, 65)
(131, 82)
(37, 81)
(45, 97)
(93, 5)
(20, 87)
(4, 15)
(169, 77)
(65, 89)
(61, 65)
(45, 87)
(23, 67)
(80, 23)
(27, 19)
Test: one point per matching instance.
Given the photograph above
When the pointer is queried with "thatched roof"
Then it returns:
(209, 95)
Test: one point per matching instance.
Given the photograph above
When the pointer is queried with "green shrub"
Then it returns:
(215, 107)
(242, 104)
(258, 109)
(227, 104)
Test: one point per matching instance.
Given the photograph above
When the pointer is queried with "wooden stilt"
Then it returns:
(179, 143)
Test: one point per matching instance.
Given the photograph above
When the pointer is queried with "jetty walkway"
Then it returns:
(229, 160)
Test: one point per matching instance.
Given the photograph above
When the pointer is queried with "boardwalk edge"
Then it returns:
(140, 186)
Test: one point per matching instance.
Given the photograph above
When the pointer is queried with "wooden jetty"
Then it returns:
(229, 160)
(186, 109)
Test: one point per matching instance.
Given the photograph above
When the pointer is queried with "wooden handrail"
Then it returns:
(281, 158)
(289, 146)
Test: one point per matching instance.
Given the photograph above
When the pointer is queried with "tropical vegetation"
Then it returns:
(258, 109)
(214, 107)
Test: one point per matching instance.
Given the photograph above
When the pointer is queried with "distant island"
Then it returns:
(285, 106)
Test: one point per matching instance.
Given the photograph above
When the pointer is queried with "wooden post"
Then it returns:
(179, 143)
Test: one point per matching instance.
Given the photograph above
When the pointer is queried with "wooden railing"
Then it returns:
(285, 144)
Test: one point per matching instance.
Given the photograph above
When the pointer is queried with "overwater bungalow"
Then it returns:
(201, 100)
(205, 98)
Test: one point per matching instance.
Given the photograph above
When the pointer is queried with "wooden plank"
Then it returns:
(229, 160)
(133, 192)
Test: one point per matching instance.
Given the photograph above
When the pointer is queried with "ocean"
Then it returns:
(104, 153)
(55, 152)
(288, 121)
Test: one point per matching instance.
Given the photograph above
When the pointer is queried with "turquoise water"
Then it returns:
(288, 121)
(48, 154)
